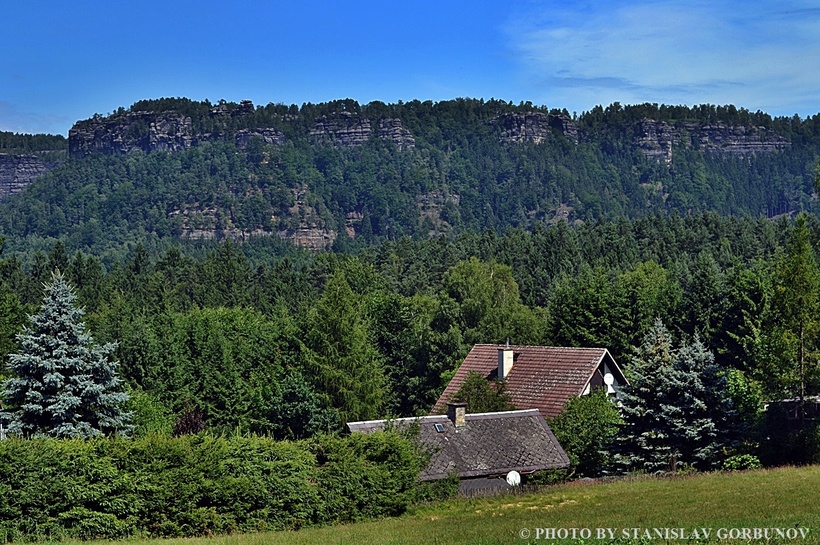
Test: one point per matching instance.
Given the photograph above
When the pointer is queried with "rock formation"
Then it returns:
(172, 131)
(534, 127)
(17, 171)
(269, 136)
(146, 131)
(346, 130)
(394, 131)
(656, 139)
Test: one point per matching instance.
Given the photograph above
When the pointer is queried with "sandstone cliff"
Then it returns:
(17, 171)
(146, 131)
(345, 130)
(535, 127)
(173, 131)
(656, 139)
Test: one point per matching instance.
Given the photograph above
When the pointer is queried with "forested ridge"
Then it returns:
(569, 233)
(333, 171)
(687, 235)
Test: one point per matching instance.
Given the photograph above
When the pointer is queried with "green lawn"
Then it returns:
(780, 498)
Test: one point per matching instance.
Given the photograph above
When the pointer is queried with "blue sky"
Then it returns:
(63, 61)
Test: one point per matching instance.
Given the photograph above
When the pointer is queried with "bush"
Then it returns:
(547, 477)
(199, 484)
(586, 429)
(366, 475)
(439, 490)
(740, 462)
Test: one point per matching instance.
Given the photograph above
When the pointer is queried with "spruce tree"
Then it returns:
(645, 440)
(676, 409)
(63, 385)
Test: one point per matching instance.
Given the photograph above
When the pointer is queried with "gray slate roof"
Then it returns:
(487, 444)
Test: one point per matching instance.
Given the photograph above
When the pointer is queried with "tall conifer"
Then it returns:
(63, 385)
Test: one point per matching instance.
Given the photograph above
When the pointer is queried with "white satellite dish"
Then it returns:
(609, 380)
(513, 478)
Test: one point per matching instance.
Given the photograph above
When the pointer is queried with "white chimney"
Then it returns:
(505, 361)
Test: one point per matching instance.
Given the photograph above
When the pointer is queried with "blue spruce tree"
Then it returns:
(63, 385)
(645, 440)
(676, 409)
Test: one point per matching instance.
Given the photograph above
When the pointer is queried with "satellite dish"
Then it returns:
(609, 380)
(513, 478)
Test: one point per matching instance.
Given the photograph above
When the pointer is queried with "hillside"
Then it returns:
(341, 174)
(26, 157)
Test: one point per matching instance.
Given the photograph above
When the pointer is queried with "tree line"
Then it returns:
(234, 332)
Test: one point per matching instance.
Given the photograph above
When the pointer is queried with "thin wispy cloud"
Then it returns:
(13, 119)
(760, 57)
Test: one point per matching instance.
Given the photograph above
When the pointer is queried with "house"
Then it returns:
(796, 412)
(482, 449)
(539, 377)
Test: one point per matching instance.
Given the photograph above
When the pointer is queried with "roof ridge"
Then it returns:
(542, 346)
(515, 411)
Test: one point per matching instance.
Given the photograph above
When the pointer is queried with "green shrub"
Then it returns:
(439, 490)
(366, 475)
(586, 429)
(739, 462)
(192, 485)
(547, 477)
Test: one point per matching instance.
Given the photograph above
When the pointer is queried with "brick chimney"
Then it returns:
(505, 361)
(456, 412)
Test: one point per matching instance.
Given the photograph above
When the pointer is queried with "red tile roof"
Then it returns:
(542, 377)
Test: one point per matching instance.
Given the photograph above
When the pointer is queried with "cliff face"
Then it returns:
(17, 171)
(656, 139)
(146, 131)
(269, 136)
(346, 130)
(534, 127)
(172, 131)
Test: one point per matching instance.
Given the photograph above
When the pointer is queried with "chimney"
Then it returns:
(505, 361)
(456, 412)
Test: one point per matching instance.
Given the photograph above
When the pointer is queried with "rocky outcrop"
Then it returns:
(146, 131)
(656, 139)
(224, 109)
(269, 136)
(17, 171)
(310, 238)
(344, 130)
(534, 127)
(394, 131)
(347, 130)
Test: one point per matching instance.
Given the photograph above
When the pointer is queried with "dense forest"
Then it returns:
(447, 168)
(338, 337)
(265, 274)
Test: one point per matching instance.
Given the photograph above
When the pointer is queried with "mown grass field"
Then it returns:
(779, 498)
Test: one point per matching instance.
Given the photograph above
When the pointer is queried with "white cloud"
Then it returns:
(757, 56)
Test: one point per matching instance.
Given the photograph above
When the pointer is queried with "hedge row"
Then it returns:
(199, 485)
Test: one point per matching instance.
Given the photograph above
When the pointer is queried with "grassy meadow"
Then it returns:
(778, 498)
